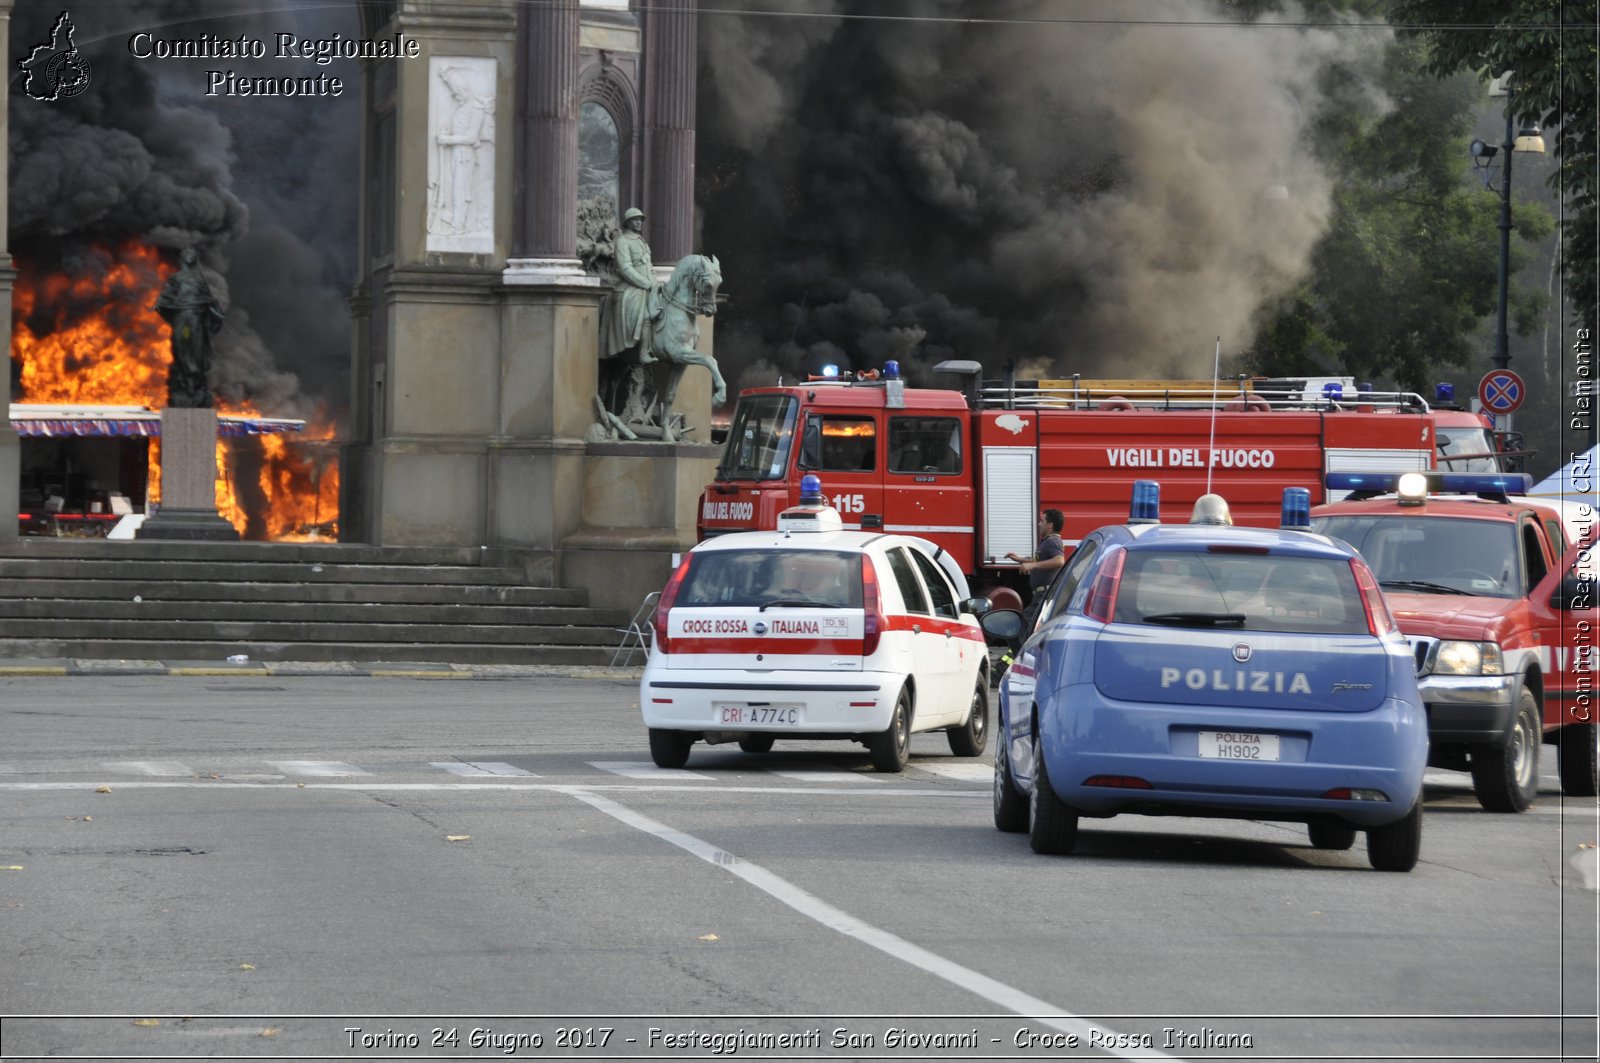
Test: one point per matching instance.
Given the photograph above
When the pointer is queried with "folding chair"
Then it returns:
(636, 636)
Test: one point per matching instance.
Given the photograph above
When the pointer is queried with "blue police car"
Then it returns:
(1212, 670)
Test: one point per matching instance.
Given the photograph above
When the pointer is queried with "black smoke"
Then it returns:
(1029, 181)
(264, 187)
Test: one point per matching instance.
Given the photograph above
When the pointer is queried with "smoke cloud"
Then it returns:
(264, 187)
(1052, 185)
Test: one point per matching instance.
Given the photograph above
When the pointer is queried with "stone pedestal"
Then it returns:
(638, 510)
(188, 480)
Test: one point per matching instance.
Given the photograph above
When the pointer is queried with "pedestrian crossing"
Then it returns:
(564, 769)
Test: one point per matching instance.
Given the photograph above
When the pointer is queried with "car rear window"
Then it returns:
(755, 577)
(1242, 591)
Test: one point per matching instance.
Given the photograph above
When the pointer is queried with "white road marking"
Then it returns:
(1586, 863)
(148, 767)
(399, 787)
(317, 768)
(643, 769)
(478, 768)
(814, 907)
(825, 775)
(962, 770)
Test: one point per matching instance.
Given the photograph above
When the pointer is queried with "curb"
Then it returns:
(310, 669)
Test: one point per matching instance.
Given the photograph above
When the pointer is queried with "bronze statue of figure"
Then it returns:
(636, 300)
(186, 303)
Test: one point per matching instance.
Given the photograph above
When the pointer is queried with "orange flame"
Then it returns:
(98, 339)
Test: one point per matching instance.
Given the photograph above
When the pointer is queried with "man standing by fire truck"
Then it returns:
(1051, 555)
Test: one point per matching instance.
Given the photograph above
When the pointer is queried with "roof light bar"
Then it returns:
(1462, 483)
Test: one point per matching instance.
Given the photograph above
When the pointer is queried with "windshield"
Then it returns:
(759, 439)
(1467, 441)
(1240, 591)
(767, 576)
(1440, 555)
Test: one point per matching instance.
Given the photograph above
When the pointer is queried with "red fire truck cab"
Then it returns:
(970, 470)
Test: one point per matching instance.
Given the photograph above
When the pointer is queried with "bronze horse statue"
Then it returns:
(690, 294)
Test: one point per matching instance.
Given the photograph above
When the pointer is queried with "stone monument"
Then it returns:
(188, 422)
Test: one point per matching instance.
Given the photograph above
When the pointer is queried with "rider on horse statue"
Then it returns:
(636, 303)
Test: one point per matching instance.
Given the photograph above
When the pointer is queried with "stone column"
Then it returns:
(10, 446)
(671, 36)
(545, 237)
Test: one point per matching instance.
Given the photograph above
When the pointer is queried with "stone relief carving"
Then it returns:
(461, 109)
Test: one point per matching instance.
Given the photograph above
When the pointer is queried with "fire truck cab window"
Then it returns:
(848, 444)
(925, 444)
(759, 439)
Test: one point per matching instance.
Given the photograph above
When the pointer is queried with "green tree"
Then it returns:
(1408, 268)
(1552, 49)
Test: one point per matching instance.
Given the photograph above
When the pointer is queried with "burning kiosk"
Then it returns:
(84, 466)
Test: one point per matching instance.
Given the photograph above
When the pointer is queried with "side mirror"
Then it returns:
(1574, 592)
(1003, 624)
(811, 444)
(976, 606)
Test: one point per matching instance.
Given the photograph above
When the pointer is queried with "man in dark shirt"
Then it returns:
(1051, 555)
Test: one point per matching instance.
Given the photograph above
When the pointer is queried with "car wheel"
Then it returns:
(1332, 835)
(970, 738)
(1395, 846)
(891, 748)
(756, 743)
(1580, 759)
(1505, 779)
(1052, 826)
(670, 749)
(1010, 807)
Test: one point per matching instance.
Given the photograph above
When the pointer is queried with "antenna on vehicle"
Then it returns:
(1216, 370)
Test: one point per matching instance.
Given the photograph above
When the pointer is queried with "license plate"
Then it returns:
(749, 714)
(1238, 745)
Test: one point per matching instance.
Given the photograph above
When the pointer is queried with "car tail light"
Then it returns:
(1379, 620)
(873, 622)
(1345, 793)
(1118, 782)
(1103, 595)
(664, 603)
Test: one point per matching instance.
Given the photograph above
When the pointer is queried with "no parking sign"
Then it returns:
(1501, 391)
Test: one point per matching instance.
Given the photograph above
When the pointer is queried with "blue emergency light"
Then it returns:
(1296, 512)
(1444, 394)
(891, 370)
(1333, 391)
(811, 490)
(830, 372)
(1146, 508)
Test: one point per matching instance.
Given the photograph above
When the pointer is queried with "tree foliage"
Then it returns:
(1552, 49)
(1409, 266)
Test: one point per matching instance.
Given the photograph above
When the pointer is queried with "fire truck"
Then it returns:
(970, 468)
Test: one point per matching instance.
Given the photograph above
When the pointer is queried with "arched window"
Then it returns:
(599, 161)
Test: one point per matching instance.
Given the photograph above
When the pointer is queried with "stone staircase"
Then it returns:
(208, 601)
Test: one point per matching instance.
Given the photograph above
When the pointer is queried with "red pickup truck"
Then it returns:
(1498, 596)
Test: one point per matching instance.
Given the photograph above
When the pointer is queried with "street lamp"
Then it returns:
(1527, 139)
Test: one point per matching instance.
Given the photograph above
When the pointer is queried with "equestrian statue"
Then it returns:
(644, 321)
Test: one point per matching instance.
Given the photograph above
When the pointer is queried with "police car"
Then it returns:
(1212, 670)
(814, 632)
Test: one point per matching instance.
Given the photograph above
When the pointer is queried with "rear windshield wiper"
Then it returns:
(1197, 619)
(805, 602)
(1422, 585)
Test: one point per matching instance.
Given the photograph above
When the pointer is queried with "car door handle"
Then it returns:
(916, 629)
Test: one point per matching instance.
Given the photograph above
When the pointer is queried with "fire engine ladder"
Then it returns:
(636, 636)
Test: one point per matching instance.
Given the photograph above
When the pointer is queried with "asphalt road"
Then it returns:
(304, 868)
